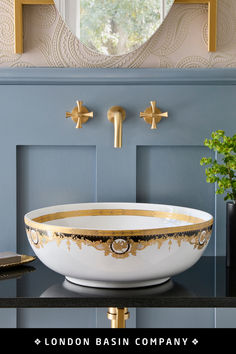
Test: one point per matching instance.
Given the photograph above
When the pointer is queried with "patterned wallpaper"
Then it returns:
(181, 42)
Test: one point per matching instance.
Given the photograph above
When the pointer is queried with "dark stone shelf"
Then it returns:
(209, 283)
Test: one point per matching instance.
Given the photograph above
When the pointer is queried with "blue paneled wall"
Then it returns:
(46, 161)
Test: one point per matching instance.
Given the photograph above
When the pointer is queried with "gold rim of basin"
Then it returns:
(39, 222)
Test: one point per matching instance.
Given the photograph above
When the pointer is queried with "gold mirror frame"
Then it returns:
(19, 20)
(212, 20)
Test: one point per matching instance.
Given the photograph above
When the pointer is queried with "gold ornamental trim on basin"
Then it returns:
(119, 247)
(38, 222)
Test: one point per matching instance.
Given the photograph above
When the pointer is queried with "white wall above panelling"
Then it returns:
(181, 41)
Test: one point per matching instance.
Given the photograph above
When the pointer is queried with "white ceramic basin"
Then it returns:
(118, 245)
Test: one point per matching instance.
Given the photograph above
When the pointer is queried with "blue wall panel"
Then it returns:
(52, 175)
(175, 318)
(172, 175)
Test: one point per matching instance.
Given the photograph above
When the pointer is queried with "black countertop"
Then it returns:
(207, 284)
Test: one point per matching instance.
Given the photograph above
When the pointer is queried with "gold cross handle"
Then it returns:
(152, 115)
(80, 114)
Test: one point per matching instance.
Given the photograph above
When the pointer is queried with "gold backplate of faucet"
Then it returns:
(80, 114)
(153, 115)
(111, 112)
(148, 111)
(74, 114)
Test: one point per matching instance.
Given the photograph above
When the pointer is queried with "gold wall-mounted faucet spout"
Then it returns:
(116, 115)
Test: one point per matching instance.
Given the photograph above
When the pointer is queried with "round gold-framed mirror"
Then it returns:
(113, 27)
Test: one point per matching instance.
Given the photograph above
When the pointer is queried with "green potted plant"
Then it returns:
(223, 172)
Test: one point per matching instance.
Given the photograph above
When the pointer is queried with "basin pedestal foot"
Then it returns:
(118, 316)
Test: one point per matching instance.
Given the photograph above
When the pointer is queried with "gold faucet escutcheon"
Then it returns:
(80, 114)
(153, 115)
